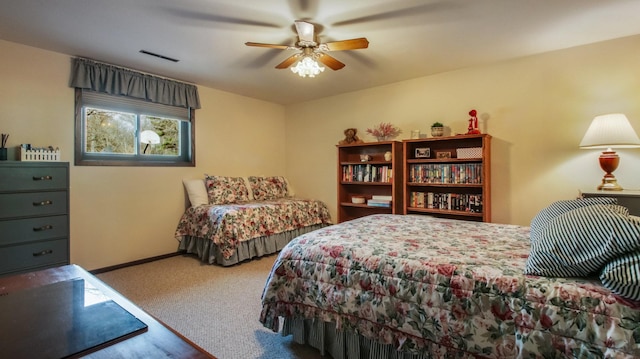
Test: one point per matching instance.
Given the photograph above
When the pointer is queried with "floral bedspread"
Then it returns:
(420, 283)
(228, 224)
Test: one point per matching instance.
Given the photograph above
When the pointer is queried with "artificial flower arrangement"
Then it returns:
(384, 131)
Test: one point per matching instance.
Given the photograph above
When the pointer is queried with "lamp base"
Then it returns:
(609, 161)
(609, 184)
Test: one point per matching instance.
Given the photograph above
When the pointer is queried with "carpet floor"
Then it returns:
(215, 307)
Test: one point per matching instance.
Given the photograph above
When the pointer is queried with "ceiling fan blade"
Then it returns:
(288, 62)
(359, 43)
(330, 61)
(304, 9)
(305, 31)
(215, 16)
(272, 46)
(414, 12)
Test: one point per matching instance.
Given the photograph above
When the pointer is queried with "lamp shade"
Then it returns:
(307, 67)
(610, 131)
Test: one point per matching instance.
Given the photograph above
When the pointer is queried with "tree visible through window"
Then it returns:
(117, 131)
(168, 131)
(109, 131)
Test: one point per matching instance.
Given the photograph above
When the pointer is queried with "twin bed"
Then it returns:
(233, 219)
(410, 286)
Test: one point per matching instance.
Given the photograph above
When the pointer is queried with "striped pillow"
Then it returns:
(622, 276)
(559, 207)
(581, 241)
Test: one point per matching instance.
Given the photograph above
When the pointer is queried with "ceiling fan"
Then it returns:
(312, 49)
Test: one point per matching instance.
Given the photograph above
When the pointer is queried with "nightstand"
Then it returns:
(627, 198)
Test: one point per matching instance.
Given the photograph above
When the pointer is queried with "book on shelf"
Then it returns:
(463, 173)
(367, 173)
(385, 205)
(447, 201)
(382, 197)
(379, 202)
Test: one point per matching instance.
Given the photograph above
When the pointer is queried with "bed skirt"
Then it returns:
(348, 345)
(209, 252)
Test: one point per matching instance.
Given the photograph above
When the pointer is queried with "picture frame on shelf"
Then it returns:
(424, 152)
(443, 154)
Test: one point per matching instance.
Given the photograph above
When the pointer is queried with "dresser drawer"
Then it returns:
(30, 178)
(14, 205)
(33, 229)
(34, 255)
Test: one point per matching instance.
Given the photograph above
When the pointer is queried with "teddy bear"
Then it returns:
(350, 137)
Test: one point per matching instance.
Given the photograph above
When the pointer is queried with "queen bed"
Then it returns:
(394, 286)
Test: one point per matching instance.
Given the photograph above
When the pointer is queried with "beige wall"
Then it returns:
(121, 214)
(537, 109)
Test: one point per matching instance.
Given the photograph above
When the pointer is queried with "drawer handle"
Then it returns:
(45, 252)
(43, 228)
(42, 178)
(43, 203)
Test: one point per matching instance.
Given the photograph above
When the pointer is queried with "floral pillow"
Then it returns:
(268, 187)
(223, 190)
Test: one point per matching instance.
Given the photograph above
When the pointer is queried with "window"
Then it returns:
(121, 131)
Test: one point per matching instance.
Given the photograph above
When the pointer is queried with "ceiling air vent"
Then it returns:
(159, 56)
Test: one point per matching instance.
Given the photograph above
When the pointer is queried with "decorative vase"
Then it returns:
(382, 138)
(437, 131)
(387, 156)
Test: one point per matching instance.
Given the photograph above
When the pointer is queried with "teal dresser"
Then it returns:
(34, 216)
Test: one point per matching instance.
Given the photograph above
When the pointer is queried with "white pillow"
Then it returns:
(197, 192)
(248, 184)
(291, 191)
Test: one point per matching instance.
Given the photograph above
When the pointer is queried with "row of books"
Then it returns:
(449, 201)
(367, 173)
(454, 173)
(380, 201)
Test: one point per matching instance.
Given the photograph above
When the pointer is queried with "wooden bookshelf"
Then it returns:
(448, 177)
(375, 176)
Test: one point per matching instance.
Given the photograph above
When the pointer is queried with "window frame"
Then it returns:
(82, 158)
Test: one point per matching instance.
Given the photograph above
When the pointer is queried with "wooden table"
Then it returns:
(158, 341)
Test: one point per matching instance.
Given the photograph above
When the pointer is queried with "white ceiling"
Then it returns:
(408, 38)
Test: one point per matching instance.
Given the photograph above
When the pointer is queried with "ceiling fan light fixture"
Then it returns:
(307, 67)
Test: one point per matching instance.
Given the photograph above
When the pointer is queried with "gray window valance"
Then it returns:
(113, 80)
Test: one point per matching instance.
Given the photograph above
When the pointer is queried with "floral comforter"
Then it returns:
(227, 225)
(448, 288)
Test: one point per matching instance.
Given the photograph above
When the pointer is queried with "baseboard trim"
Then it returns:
(134, 263)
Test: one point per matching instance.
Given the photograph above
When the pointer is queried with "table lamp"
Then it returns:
(610, 131)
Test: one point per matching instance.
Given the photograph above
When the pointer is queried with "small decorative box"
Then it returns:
(358, 199)
(471, 152)
(39, 155)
